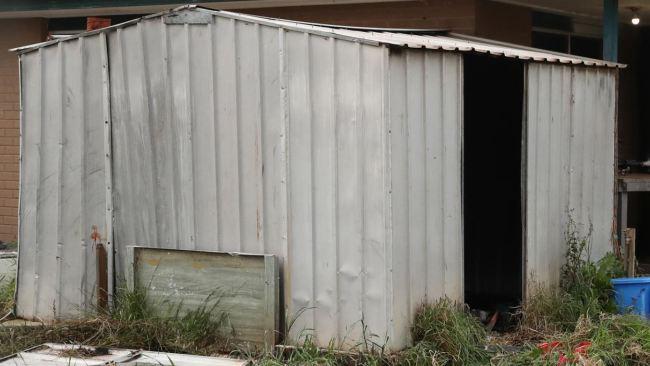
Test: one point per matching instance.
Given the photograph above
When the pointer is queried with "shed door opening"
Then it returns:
(492, 201)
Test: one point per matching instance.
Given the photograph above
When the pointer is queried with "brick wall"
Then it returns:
(483, 18)
(14, 33)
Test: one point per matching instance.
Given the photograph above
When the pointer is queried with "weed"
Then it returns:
(448, 333)
(131, 305)
(588, 282)
(585, 288)
(6, 295)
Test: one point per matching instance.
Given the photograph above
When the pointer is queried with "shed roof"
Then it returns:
(435, 40)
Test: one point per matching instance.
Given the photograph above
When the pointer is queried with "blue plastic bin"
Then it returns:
(633, 295)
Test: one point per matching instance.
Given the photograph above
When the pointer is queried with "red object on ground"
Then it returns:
(579, 352)
(582, 348)
(547, 347)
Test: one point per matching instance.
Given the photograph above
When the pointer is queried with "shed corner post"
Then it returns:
(21, 152)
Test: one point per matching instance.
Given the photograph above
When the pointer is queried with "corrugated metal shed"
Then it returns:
(339, 151)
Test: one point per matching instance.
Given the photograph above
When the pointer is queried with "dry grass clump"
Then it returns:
(446, 333)
(130, 325)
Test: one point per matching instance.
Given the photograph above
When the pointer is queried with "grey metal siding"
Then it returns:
(425, 158)
(236, 136)
(571, 113)
(62, 178)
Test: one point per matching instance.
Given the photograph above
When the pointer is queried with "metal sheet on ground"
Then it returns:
(71, 355)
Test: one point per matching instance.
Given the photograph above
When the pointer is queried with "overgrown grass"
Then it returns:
(132, 324)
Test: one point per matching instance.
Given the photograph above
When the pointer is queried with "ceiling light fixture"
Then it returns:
(635, 16)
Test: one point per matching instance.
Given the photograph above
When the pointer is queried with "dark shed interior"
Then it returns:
(492, 191)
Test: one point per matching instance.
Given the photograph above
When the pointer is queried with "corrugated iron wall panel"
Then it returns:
(426, 141)
(241, 137)
(570, 163)
(62, 178)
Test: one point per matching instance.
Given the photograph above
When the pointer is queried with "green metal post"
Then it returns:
(610, 30)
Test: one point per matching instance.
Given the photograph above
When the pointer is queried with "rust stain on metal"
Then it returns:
(95, 236)
(102, 276)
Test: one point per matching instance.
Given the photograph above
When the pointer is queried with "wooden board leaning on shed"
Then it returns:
(245, 287)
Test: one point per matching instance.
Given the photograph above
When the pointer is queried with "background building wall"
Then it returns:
(456, 15)
(15, 32)
(503, 22)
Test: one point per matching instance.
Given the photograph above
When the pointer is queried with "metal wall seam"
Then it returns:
(108, 166)
(83, 292)
(39, 174)
(59, 184)
(388, 219)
